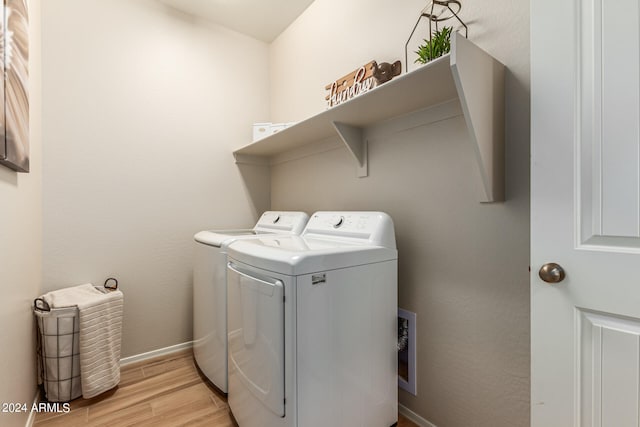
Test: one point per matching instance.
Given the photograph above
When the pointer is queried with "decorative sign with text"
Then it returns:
(353, 84)
(361, 81)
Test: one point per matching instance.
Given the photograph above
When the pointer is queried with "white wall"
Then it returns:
(142, 108)
(21, 252)
(463, 266)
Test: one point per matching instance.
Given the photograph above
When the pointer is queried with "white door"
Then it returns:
(585, 330)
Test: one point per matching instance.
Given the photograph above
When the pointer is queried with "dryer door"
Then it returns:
(256, 336)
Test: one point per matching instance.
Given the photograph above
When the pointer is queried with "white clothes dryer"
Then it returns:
(312, 325)
(210, 288)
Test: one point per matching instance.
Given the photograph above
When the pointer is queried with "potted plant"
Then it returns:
(437, 45)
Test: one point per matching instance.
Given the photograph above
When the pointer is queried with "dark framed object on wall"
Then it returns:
(14, 87)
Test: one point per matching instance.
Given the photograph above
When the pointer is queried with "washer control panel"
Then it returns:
(282, 221)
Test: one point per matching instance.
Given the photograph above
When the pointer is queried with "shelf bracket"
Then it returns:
(479, 80)
(356, 144)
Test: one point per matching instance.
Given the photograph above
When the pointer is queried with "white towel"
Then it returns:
(100, 334)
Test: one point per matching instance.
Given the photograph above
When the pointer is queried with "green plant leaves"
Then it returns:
(439, 44)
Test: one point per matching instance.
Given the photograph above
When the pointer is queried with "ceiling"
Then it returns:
(261, 19)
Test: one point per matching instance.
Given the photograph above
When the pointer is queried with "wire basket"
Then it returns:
(58, 351)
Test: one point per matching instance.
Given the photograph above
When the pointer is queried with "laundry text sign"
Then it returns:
(353, 84)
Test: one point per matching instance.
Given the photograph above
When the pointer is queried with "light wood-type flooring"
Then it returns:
(165, 391)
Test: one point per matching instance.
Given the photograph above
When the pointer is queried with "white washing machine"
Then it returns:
(210, 288)
(312, 325)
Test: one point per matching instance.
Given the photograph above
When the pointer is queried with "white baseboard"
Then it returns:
(155, 353)
(32, 414)
(412, 416)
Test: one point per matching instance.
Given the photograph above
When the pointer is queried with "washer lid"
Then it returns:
(281, 222)
(218, 237)
(295, 255)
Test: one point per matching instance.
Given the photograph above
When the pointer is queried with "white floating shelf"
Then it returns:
(466, 73)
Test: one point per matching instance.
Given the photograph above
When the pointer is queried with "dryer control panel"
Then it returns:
(344, 221)
(370, 227)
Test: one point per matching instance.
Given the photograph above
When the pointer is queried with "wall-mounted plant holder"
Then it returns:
(438, 41)
(407, 351)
